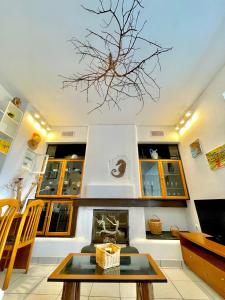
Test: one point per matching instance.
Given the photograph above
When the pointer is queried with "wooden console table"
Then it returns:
(205, 258)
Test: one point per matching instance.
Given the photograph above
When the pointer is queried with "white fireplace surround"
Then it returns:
(85, 214)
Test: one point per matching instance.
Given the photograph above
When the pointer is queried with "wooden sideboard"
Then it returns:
(205, 258)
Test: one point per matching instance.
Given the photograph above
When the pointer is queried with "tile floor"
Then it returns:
(182, 284)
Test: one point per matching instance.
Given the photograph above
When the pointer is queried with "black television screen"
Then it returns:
(211, 214)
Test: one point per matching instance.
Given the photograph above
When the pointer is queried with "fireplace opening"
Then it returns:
(110, 226)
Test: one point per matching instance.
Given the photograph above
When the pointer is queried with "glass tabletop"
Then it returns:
(129, 265)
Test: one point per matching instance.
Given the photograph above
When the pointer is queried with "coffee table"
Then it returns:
(81, 267)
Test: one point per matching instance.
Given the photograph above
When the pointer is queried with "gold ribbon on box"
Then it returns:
(216, 157)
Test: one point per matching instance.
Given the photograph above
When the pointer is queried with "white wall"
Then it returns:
(209, 128)
(79, 135)
(12, 165)
(104, 144)
(144, 134)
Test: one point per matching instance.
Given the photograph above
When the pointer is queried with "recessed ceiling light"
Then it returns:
(188, 114)
(43, 122)
(37, 116)
(48, 128)
(37, 126)
(188, 124)
(177, 128)
(43, 131)
(182, 122)
(182, 131)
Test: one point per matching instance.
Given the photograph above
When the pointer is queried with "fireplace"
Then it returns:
(110, 226)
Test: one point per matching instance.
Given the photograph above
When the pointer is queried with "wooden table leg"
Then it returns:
(145, 291)
(71, 291)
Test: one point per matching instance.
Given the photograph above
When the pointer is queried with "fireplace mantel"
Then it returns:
(129, 202)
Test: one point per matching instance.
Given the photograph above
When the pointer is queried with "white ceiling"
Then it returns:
(34, 51)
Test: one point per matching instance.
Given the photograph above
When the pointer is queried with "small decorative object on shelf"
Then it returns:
(34, 141)
(107, 255)
(4, 146)
(154, 154)
(155, 225)
(17, 102)
(174, 230)
(11, 115)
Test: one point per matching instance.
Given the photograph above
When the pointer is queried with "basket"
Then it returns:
(155, 225)
(174, 230)
(105, 259)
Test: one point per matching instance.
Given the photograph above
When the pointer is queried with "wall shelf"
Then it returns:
(10, 119)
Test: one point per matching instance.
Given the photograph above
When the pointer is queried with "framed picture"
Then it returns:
(216, 157)
(29, 160)
(196, 148)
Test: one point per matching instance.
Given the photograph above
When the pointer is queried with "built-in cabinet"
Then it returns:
(59, 187)
(162, 179)
(58, 218)
(205, 258)
(62, 178)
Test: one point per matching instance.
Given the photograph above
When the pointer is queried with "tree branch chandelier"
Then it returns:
(120, 61)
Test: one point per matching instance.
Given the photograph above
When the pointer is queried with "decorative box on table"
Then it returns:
(108, 255)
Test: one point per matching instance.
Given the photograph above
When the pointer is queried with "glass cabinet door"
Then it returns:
(50, 181)
(151, 186)
(60, 218)
(72, 178)
(43, 219)
(173, 179)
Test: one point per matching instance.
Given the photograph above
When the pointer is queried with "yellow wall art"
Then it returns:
(216, 157)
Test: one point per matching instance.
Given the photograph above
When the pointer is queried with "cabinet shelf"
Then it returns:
(12, 120)
(175, 188)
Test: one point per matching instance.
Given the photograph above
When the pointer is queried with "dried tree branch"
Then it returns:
(115, 70)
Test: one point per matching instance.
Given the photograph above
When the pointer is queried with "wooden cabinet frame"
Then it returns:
(71, 223)
(63, 233)
(61, 179)
(162, 179)
(42, 232)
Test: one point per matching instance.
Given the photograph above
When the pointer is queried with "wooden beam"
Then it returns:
(129, 202)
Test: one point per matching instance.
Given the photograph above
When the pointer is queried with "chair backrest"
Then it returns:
(29, 222)
(8, 209)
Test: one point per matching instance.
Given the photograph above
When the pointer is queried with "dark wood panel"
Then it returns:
(124, 202)
(129, 202)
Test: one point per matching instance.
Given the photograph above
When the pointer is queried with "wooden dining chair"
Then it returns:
(8, 209)
(24, 239)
